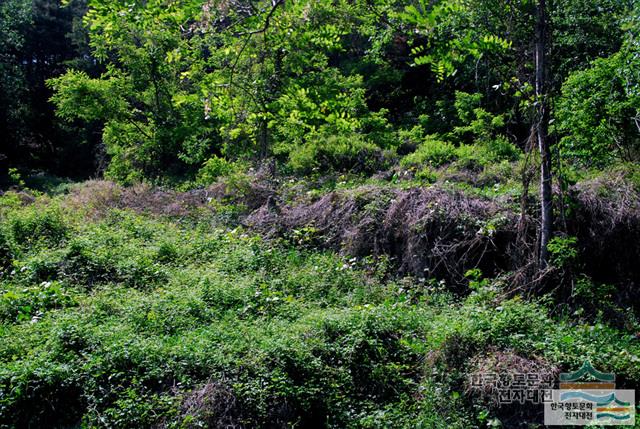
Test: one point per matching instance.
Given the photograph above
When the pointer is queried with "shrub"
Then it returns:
(35, 225)
(472, 157)
(337, 152)
(243, 331)
(410, 139)
(427, 175)
(563, 251)
(593, 295)
(167, 253)
(19, 304)
(84, 266)
(432, 151)
(484, 153)
(16, 178)
(478, 122)
(213, 168)
(501, 149)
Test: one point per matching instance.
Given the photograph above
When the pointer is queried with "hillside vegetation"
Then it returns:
(136, 307)
(313, 213)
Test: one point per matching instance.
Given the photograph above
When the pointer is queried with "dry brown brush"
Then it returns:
(429, 232)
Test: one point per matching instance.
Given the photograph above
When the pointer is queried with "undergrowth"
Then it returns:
(141, 320)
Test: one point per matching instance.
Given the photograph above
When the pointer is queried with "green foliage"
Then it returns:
(152, 126)
(33, 226)
(15, 15)
(482, 125)
(598, 113)
(339, 152)
(151, 91)
(476, 282)
(305, 236)
(482, 129)
(149, 321)
(563, 251)
(450, 38)
(16, 178)
(435, 153)
(586, 30)
(599, 107)
(597, 296)
(19, 304)
(323, 121)
(427, 174)
(186, 81)
(432, 151)
(40, 38)
(175, 92)
(213, 168)
(130, 320)
(501, 149)
(6, 255)
(78, 96)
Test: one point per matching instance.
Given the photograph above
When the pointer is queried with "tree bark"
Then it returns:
(263, 139)
(542, 120)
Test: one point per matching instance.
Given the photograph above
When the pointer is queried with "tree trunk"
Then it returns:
(263, 138)
(542, 119)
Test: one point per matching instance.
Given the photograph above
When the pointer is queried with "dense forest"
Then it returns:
(315, 213)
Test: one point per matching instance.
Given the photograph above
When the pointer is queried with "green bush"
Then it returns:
(501, 149)
(481, 125)
(338, 153)
(213, 168)
(167, 253)
(472, 157)
(410, 139)
(563, 251)
(427, 175)
(18, 304)
(485, 153)
(15, 178)
(592, 295)
(431, 152)
(33, 226)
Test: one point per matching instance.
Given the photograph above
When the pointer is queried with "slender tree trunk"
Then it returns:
(263, 138)
(542, 120)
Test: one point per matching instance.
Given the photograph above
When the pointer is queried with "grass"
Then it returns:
(130, 320)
